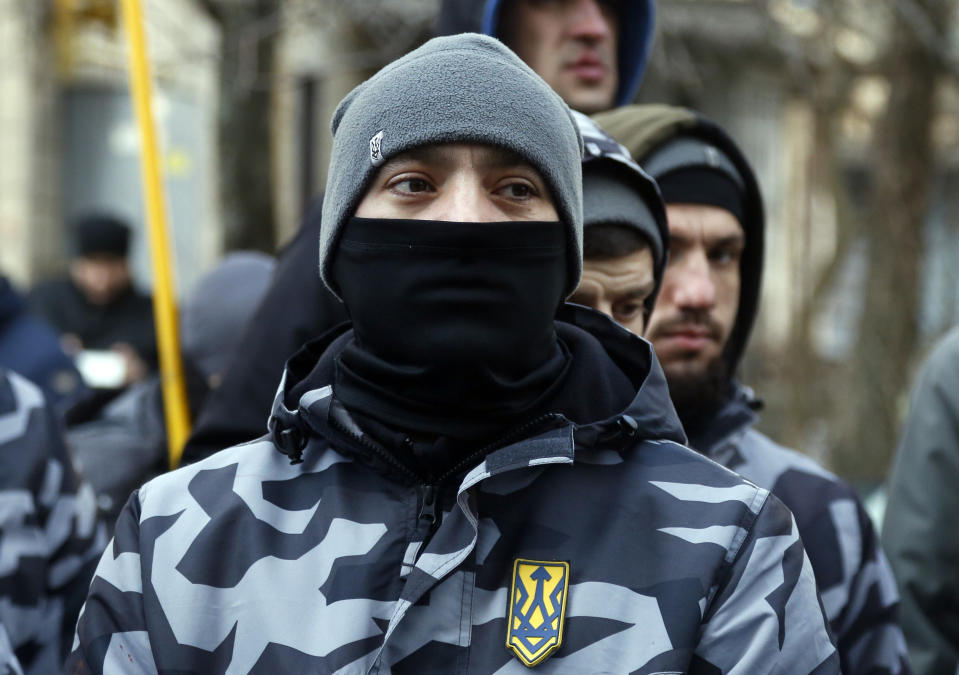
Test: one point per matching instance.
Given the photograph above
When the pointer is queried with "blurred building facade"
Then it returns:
(67, 119)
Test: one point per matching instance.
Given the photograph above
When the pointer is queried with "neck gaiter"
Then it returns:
(453, 322)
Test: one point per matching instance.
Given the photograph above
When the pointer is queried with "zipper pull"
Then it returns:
(428, 510)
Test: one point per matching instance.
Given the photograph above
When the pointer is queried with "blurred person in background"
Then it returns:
(700, 327)
(921, 528)
(50, 537)
(436, 480)
(32, 348)
(101, 317)
(125, 444)
(592, 52)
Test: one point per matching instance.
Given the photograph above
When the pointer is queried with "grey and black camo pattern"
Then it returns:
(246, 563)
(597, 144)
(50, 538)
(855, 581)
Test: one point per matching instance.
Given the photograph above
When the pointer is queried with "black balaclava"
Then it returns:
(453, 322)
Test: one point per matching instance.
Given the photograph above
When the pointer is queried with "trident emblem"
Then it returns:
(537, 609)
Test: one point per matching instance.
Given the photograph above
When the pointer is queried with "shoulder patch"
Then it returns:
(537, 609)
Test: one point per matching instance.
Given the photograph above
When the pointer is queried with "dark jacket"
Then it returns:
(854, 578)
(297, 308)
(30, 347)
(50, 537)
(629, 551)
(127, 318)
(922, 516)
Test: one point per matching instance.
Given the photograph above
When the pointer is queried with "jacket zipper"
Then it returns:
(385, 455)
(502, 441)
(428, 507)
(427, 510)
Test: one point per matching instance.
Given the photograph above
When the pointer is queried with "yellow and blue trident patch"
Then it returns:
(537, 609)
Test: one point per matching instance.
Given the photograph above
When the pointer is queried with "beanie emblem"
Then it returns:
(376, 154)
(712, 156)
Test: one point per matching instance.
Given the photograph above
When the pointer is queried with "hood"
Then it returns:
(637, 21)
(220, 306)
(645, 128)
(612, 351)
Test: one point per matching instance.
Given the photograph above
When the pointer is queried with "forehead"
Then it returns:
(700, 220)
(620, 274)
(453, 155)
(559, 8)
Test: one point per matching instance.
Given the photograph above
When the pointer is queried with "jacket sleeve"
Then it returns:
(8, 660)
(765, 616)
(112, 632)
(922, 517)
(49, 531)
(75, 536)
(296, 308)
(867, 629)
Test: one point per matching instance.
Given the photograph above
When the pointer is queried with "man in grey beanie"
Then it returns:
(625, 234)
(471, 477)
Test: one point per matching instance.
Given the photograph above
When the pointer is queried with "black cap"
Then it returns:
(102, 235)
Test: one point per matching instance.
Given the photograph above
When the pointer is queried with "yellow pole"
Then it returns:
(164, 302)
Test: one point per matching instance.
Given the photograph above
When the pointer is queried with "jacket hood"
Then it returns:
(637, 21)
(649, 415)
(644, 129)
(220, 306)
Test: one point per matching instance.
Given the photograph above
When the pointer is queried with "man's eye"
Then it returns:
(518, 191)
(724, 256)
(628, 310)
(411, 185)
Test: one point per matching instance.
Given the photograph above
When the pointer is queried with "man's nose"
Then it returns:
(695, 288)
(466, 202)
(588, 22)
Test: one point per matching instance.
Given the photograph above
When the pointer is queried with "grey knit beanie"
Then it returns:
(466, 88)
(617, 191)
(610, 198)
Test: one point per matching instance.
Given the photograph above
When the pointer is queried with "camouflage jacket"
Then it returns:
(50, 537)
(577, 548)
(854, 579)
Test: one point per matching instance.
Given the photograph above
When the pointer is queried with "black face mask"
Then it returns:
(453, 322)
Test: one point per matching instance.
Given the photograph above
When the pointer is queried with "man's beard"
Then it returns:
(698, 396)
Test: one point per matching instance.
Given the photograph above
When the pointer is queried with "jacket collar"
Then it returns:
(740, 410)
(304, 405)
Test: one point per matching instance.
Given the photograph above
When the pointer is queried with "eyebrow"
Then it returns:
(726, 240)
